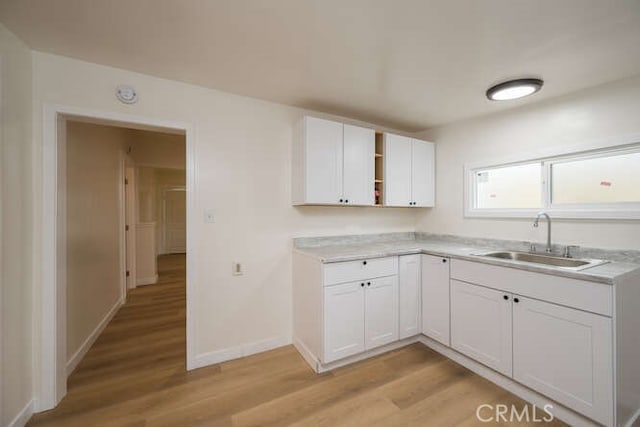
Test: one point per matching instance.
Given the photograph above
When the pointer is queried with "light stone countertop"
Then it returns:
(330, 250)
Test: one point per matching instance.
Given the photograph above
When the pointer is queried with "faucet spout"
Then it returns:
(535, 224)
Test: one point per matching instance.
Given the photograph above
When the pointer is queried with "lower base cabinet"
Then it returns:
(565, 354)
(359, 316)
(343, 320)
(380, 312)
(435, 298)
(559, 340)
(481, 325)
(560, 352)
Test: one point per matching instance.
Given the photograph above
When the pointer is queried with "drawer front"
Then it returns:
(342, 272)
(583, 295)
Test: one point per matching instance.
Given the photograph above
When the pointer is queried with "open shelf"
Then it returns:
(379, 169)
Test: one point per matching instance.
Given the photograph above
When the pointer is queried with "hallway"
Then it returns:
(142, 348)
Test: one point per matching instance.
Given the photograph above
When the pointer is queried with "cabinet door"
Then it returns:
(397, 170)
(409, 291)
(565, 354)
(381, 311)
(422, 173)
(435, 298)
(481, 325)
(323, 161)
(359, 162)
(343, 321)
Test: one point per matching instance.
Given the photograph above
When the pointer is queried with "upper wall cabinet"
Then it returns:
(333, 163)
(409, 172)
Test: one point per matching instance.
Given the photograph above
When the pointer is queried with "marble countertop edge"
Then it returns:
(604, 273)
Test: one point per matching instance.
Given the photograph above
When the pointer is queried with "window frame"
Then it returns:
(618, 210)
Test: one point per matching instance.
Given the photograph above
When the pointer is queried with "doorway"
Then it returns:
(52, 330)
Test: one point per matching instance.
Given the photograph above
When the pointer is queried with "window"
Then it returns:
(509, 187)
(612, 178)
(594, 184)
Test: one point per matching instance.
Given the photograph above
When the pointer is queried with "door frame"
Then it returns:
(50, 314)
(129, 201)
(163, 191)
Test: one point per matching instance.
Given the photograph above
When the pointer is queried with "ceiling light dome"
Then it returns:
(514, 89)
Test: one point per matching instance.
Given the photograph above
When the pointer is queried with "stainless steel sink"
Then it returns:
(549, 260)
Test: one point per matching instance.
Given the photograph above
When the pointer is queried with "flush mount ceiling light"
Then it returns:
(514, 89)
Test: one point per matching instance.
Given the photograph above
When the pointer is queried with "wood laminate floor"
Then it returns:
(134, 375)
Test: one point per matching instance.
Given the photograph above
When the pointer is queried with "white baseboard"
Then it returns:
(306, 354)
(23, 417)
(86, 345)
(151, 280)
(238, 351)
(559, 411)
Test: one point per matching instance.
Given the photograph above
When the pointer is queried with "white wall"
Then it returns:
(94, 185)
(15, 231)
(243, 152)
(599, 113)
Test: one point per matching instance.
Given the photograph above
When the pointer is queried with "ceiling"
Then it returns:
(408, 64)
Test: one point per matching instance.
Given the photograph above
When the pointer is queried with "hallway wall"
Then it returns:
(16, 215)
(93, 229)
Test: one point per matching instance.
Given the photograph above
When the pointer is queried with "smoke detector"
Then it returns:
(126, 94)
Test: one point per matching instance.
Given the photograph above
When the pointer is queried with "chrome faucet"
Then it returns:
(535, 224)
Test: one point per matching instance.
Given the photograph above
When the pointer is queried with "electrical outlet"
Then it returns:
(208, 216)
(237, 269)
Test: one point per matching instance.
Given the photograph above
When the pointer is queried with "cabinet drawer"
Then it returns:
(342, 272)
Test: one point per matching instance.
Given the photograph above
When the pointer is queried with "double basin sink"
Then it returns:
(547, 260)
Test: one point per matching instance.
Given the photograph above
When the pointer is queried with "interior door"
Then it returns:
(435, 298)
(409, 284)
(381, 311)
(343, 320)
(422, 173)
(481, 325)
(565, 354)
(359, 162)
(323, 161)
(175, 220)
(397, 170)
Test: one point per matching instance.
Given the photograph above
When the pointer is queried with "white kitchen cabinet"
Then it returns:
(409, 172)
(358, 165)
(422, 173)
(409, 295)
(323, 160)
(565, 354)
(344, 320)
(397, 170)
(333, 163)
(381, 311)
(481, 325)
(435, 298)
(359, 316)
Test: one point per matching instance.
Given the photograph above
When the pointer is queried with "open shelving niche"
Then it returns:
(379, 169)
